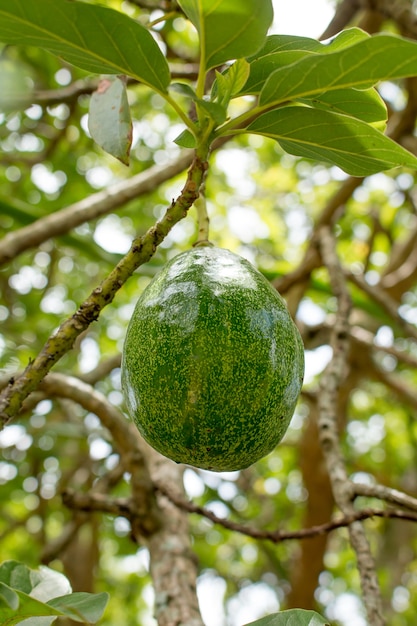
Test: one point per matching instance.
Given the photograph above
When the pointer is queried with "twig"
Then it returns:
(393, 496)
(385, 301)
(331, 381)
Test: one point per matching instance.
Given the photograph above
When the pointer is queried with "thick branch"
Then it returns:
(126, 439)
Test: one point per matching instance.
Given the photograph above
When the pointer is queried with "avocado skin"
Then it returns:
(212, 363)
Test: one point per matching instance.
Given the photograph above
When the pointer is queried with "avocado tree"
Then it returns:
(132, 132)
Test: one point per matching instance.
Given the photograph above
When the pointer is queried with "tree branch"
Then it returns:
(388, 304)
(61, 342)
(393, 496)
(332, 380)
(89, 208)
(122, 506)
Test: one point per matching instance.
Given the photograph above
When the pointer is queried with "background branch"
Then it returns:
(330, 383)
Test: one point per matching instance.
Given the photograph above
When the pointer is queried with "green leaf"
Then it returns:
(292, 617)
(95, 38)
(377, 58)
(214, 110)
(366, 105)
(185, 139)
(229, 83)
(81, 607)
(8, 597)
(45, 601)
(356, 147)
(184, 89)
(228, 29)
(109, 120)
(236, 76)
(282, 50)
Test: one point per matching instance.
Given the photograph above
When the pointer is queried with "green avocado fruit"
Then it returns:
(212, 363)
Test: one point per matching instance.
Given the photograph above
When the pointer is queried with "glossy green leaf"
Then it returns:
(382, 57)
(109, 120)
(94, 38)
(282, 50)
(366, 105)
(356, 147)
(228, 29)
(292, 617)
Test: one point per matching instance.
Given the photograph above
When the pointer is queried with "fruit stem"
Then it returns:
(203, 220)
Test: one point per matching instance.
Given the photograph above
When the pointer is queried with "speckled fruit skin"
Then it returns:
(212, 363)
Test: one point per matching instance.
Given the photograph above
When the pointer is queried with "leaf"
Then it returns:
(28, 607)
(356, 147)
(236, 76)
(366, 105)
(95, 38)
(24, 592)
(292, 617)
(81, 607)
(109, 120)
(185, 139)
(282, 50)
(8, 597)
(228, 29)
(377, 58)
(214, 110)
(229, 83)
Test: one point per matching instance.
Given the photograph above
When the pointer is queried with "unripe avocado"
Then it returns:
(212, 362)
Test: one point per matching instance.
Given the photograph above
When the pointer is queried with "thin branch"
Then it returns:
(90, 502)
(366, 338)
(405, 392)
(393, 496)
(123, 507)
(388, 304)
(102, 370)
(312, 259)
(331, 381)
(61, 342)
(90, 208)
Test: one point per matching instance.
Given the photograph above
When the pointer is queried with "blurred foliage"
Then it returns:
(263, 204)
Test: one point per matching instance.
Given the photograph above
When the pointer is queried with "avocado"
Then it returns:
(212, 362)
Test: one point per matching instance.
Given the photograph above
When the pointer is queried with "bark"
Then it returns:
(173, 564)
